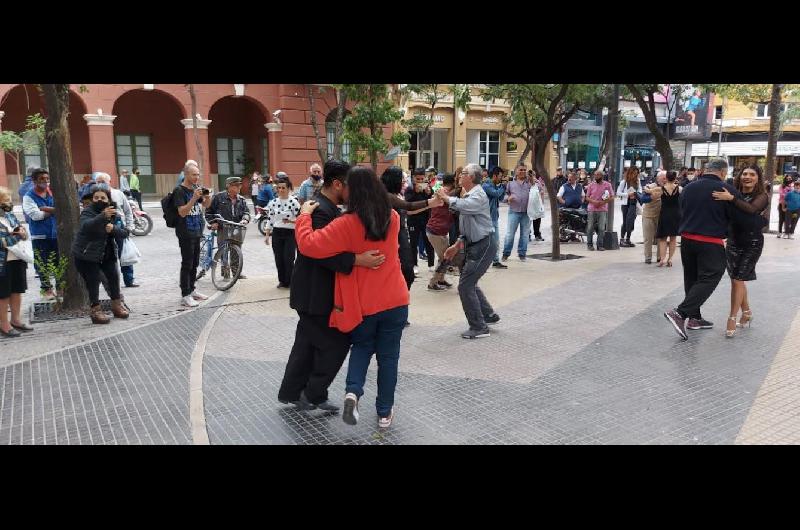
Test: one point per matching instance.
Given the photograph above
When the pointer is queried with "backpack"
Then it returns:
(169, 209)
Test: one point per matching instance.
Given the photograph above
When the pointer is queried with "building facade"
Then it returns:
(122, 126)
(739, 134)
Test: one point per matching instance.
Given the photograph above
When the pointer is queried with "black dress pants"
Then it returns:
(190, 259)
(317, 355)
(90, 271)
(415, 233)
(284, 247)
(703, 267)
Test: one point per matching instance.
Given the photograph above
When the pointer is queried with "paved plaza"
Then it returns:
(582, 355)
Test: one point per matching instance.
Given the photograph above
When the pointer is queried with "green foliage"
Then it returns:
(11, 142)
(363, 127)
(53, 268)
(35, 123)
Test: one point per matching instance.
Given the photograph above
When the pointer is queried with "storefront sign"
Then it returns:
(627, 163)
(592, 164)
(649, 163)
(570, 165)
(581, 165)
(436, 119)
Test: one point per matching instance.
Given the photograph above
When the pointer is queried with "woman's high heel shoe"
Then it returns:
(747, 318)
(669, 263)
(731, 332)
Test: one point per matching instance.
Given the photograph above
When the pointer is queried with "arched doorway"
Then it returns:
(24, 101)
(237, 139)
(148, 135)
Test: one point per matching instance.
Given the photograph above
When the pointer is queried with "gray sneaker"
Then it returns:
(475, 334)
(678, 322)
(350, 411)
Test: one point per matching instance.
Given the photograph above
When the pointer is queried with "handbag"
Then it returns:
(23, 250)
(130, 253)
(643, 198)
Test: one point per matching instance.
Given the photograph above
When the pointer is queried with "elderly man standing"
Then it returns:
(311, 185)
(598, 194)
(704, 226)
(479, 247)
(189, 199)
(230, 205)
(125, 220)
(650, 213)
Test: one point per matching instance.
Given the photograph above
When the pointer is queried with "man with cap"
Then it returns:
(230, 205)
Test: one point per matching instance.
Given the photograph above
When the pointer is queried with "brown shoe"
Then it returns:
(118, 309)
(99, 316)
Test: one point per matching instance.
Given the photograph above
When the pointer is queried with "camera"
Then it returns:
(206, 191)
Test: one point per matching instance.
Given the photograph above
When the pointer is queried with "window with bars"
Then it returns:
(35, 154)
(330, 129)
(489, 149)
(230, 157)
(135, 151)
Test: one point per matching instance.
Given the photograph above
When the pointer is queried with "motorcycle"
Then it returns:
(142, 222)
(572, 223)
(261, 220)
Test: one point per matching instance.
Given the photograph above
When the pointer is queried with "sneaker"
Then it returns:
(198, 296)
(780, 235)
(678, 322)
(539, 238)
(523, 258)
(328, 406)
(499, 265)
(385, 423)
(475, 334)
(505, 258)
(791, 236)
(589, 247)
(416, 271)
(494, 318)
(350, 412)
(188, 301)
(648, 261)
(446, 284)
(698, 323)
(436, 287)
(600, 248)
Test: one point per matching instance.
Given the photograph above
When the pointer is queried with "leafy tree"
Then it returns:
(373, 110)
(16, 143)
(537, 112)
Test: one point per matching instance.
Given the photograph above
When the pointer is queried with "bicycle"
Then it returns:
(226, 263)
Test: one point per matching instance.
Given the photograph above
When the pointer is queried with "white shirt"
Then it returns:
(279, 210)
(254, 188)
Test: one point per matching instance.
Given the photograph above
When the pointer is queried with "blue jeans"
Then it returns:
(496, 239)
(379, 334)
(127, 270)
(517, 219)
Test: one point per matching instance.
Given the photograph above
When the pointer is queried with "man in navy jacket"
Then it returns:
(703, 229)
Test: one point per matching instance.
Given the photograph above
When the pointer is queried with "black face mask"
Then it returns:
(99, 206)
(598, 179)
(7, 207)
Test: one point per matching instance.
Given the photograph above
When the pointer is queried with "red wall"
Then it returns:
(237, 117)
(156, 114)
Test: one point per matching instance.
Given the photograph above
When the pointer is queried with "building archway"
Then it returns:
(148, 135)
(25, 100)
(237, 139)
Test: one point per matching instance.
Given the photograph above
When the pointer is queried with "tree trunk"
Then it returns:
(539, 154)
(341, 100)
(20, 178)
(197, 142)
(525, 153)
(613, 155)
(649, 110)
(772, 143)
(62, 184)
(312, 104)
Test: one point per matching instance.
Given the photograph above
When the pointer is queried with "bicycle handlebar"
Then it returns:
(219, 219)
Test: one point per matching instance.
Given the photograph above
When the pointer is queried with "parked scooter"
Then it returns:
(261, 219)
(572, 223)
(142, 222)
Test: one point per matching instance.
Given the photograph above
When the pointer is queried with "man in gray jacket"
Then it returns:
(476, 239)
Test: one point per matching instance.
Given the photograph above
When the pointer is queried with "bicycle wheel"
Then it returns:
(227, 266)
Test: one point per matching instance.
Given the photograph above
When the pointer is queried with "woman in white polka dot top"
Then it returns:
(282, 212)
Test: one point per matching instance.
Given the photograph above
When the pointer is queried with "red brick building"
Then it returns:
(116, 127)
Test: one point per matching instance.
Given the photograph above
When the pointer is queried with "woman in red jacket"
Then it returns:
(370, 304)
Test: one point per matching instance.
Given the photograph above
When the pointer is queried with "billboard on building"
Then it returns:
(692, 113)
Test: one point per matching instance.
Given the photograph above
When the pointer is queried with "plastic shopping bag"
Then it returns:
(130, 254)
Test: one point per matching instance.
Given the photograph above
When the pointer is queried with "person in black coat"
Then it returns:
(95, 252)
(319, 350)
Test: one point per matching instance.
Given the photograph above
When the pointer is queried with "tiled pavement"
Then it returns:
(587, 360)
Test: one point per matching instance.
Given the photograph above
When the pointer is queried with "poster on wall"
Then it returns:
(570, 165)
(638, 163)
(581, 164)
(692, 113)
(592, 164)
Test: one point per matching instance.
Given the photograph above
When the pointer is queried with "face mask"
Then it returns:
(598, 179)
(315, 177)
(99, 206)
(7, 206)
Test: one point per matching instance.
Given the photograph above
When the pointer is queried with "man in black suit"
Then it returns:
(319, 350)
